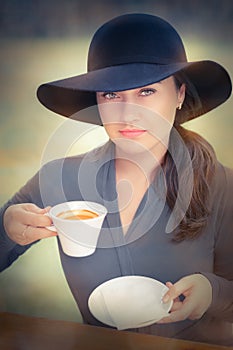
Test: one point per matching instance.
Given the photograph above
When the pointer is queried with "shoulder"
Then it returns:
(222, 196)
(74, 162)
(70, 177)
(223, 179)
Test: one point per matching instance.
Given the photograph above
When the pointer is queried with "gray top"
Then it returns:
(146, 249)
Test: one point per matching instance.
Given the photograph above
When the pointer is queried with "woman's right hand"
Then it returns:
(26, 223)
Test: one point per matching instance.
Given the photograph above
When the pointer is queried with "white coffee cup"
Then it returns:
(78, 237)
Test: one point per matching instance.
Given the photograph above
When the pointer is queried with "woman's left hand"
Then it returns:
(197, 292)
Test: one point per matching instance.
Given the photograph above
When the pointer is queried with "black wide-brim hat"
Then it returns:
(131, 51)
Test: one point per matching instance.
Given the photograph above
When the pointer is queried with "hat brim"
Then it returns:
(71, 95)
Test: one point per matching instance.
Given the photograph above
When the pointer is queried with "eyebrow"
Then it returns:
(145, 86)
(158, 82)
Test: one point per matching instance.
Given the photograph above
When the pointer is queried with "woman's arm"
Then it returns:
(207, 292)
(19, 223)
(222, 278)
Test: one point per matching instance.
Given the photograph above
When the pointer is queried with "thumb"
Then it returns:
(175, 290)
(167, 295)
(183, 286)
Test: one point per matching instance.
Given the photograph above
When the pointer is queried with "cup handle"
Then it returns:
(51, 227)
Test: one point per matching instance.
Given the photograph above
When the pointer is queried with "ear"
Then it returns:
(181, 94)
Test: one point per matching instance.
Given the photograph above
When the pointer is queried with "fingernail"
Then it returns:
(166, 298)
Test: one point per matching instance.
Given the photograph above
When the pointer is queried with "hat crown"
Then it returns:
(135, 38)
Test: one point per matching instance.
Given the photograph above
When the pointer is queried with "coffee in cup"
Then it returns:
(78, 214)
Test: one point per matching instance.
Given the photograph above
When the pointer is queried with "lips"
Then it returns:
(132, 133)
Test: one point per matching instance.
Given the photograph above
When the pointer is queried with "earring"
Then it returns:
(180, 106)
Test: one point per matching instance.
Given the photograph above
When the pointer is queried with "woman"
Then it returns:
(168, 199)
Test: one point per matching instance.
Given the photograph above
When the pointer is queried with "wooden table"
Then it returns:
(19, 332)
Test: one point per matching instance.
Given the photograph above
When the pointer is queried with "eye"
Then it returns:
(109, 95)
(147, 92)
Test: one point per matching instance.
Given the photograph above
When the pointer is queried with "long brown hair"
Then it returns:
(203, 162)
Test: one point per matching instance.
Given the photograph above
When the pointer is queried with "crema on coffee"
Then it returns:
(77, 214)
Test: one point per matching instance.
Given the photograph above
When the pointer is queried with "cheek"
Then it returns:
(109, 113)
(166, 101)
(167, 109)
(111, 130)
(170, 115)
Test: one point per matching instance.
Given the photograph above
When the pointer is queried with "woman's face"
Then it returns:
(141, 119)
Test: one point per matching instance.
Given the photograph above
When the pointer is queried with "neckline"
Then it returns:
(154, 195)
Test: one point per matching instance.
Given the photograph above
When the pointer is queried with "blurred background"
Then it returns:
(47, 40)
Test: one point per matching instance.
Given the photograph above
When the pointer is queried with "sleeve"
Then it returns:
(9, 250)
(222, 278)
(56, 182)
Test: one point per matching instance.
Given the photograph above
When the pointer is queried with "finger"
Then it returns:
(171, 294)
(33, 208)
(46, 233)
(166, 296)
(179, 315)
(37, 220)
(32, 234)
(169, 284)
(180, 287)
(32, 217)
(47, 209)
(176, 305)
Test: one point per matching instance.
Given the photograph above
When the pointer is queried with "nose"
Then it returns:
(129, 112)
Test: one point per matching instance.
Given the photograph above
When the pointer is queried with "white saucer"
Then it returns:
(129, 302)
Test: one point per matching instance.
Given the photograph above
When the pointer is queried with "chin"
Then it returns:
(132, 147)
